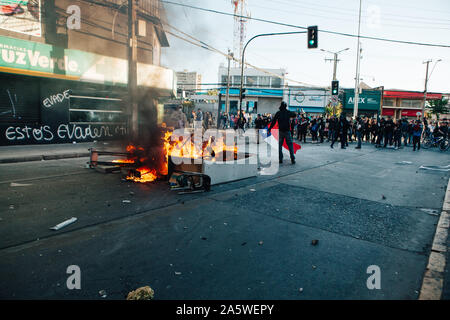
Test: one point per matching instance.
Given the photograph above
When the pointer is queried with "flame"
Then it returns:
(179, 147)
(123, 161)
(146, 175)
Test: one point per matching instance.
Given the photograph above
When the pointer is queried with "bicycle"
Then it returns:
(432, 141)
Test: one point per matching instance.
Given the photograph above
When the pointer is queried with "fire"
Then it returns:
(123, 161)
(175, 147)
(146, 175)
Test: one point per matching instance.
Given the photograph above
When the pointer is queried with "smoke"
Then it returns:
(182, 55)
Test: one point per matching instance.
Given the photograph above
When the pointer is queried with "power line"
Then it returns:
(304, 28)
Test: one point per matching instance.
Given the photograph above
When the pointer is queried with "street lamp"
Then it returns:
(335, 60)
(427, 77)
(243, 59)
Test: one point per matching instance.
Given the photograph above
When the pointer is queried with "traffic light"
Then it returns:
(334, 88)
(312, 37)
(243, 94)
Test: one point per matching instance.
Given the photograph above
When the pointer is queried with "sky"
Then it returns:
(392, 65)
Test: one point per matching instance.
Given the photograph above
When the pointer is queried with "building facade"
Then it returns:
(63, 82)
(264, 89)
(405, 104)
(308, 100)
(188, 83)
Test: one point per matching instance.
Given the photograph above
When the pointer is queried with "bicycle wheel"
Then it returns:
(444, 145)
(427, 143)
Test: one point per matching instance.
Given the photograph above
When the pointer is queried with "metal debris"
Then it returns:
(64, 224)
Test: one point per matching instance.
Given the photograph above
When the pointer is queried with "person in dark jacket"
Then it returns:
(259, 124)
(302, 128)
(404, 129)
(284, 131)
(388, 132)
(341, 130)
(359, 131)
(321, 129)
(398, 135)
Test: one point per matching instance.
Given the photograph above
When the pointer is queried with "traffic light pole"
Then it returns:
(243, 59)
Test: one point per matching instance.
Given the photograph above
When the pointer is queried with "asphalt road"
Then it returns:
(249, 239)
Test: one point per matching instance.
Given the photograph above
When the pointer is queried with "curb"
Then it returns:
(433, 280)
(45, 157)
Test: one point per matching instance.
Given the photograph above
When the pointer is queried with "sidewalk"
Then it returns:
(23, 153)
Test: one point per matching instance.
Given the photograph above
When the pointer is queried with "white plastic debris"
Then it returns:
(404, 162)
(126, 201)
(252, 190)
(436, 168)
(13, 184)
(102, 293)
(64, 224)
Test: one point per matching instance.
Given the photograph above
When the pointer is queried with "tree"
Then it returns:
(438, 107)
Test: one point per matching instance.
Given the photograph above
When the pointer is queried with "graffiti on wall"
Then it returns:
(65, 132)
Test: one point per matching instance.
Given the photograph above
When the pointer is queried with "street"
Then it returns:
(249, 239)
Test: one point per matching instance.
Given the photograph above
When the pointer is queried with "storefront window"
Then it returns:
(264, 81)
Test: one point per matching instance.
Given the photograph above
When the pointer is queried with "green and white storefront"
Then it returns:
(55, 95)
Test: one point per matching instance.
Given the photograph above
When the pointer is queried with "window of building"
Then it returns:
(96, 110)
(389, 102)
(276, 82)
(251, 81)
(415, 104)
(264, 81)
(236, 80)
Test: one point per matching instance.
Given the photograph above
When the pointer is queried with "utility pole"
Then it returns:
(227, 98)
(132, 68)
(425, 91)
(358, 60)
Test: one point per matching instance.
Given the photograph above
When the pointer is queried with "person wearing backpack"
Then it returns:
(417, 133)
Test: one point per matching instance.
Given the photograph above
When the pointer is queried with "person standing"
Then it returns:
(179, 118)
(388, 131)
(321, 129)
(259, 124)
(398, 136)
(359, 131)
(284, 131)
(303, 128)
(198, 124)
(417, 133)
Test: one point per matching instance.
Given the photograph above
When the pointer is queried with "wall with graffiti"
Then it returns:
(37, 110)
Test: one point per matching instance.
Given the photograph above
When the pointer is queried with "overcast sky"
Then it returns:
(393, 65)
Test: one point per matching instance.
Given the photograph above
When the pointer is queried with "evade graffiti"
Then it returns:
(70, 132)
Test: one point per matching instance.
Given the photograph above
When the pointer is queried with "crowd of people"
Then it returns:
(381, 131)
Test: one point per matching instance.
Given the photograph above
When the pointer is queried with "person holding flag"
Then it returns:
(281, 121)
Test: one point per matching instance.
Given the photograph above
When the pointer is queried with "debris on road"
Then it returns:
(204, 238)
(126, 201)
(314, 267)
(300, 290)
(436, 168)
(13, 184)
(383, 197)
(314, 242)
(64, 224)
(143, 293)
(404, 162)
(430, 211)
(252, 190)
(11, 207)
(102, 293)
(243, 243)
(177, 273)
(261, 243)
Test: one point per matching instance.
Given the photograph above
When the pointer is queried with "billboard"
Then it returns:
(315, 98)
(23, 16)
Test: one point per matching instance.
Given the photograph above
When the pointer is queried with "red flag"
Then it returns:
(275, 135)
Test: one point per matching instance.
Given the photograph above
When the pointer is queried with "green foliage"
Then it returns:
(438, 107)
